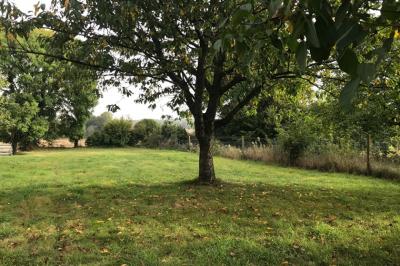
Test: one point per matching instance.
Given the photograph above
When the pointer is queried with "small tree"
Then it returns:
(116, 132)
(97, 123)
(144, 130)
(19, 121)
(171, 131)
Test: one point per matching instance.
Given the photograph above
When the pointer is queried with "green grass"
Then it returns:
(132, 206)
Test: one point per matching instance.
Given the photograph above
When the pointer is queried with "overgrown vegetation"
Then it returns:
(145, 133)
(331, 159)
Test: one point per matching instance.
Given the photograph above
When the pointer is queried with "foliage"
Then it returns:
(269, 112)
(80, 97)
(97, 123)
(171, 131)
(115, 133)
(296, 138)
(103, 214)
(20, 122)
(146, 132)
(96, 139)
(65, 93)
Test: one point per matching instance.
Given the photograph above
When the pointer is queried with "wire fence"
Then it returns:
(379, 150)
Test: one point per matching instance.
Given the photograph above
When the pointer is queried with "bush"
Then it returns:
(144, 132)
(173, 133)
(295, 139)
(96, 139)
(115, 133)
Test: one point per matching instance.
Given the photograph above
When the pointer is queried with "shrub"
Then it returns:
(295, 139)
(144, 132)
(173, 133)
(117, 132)
(96, 139)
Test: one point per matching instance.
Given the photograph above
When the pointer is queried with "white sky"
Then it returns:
(128, 107)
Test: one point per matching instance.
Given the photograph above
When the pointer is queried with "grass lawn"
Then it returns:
(133, 206)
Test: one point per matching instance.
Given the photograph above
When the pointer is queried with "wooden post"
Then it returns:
(189, 142)
(243, 143)
(369, 154)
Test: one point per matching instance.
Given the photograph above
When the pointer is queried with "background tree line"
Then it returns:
(105, 131)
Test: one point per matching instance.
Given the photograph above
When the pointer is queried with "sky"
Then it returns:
(128, 106)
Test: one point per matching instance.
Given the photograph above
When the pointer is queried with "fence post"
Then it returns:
(369, 154)
(242, 143)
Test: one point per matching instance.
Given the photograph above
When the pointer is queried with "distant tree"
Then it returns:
(20, 121)
(64, 92)
(80, 98)
(116, 132)
(171, 131)
(97, 123)
(144, 130)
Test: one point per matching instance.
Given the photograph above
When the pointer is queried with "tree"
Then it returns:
(268, 112)
(80, 98)
(20, 122)
(97, 123)
(205, 53)
(144, 130)
(64, 92)
(116, 132)
(172, 131)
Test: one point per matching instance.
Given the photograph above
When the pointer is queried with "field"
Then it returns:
(138, 207)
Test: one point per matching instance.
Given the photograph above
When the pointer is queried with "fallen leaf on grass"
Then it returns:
(104, 251)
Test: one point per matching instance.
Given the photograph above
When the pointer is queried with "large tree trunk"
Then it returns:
(14, 146)
(206, 162)
(76, 143)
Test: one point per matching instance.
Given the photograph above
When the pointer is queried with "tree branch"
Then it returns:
(252, 94)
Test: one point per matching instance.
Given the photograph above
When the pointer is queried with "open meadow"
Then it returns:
(139, 207)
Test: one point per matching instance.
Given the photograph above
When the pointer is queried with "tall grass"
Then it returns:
(332, 159)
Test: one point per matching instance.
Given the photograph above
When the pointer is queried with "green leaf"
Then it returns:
(247, 7)
(342, 12)
(326, 31)
(301, 56)
(274, 6)
(349, 92)
(311, 34)
(315, 4)
(241, 14)
(348, 62)
(218, 45)
(320, 54)
(350, 35)
(292, 44)
(366, 71)
(390, 10)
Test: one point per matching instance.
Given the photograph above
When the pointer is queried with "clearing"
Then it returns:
(134, 206)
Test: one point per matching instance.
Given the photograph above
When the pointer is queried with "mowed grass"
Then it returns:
(137, 207)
